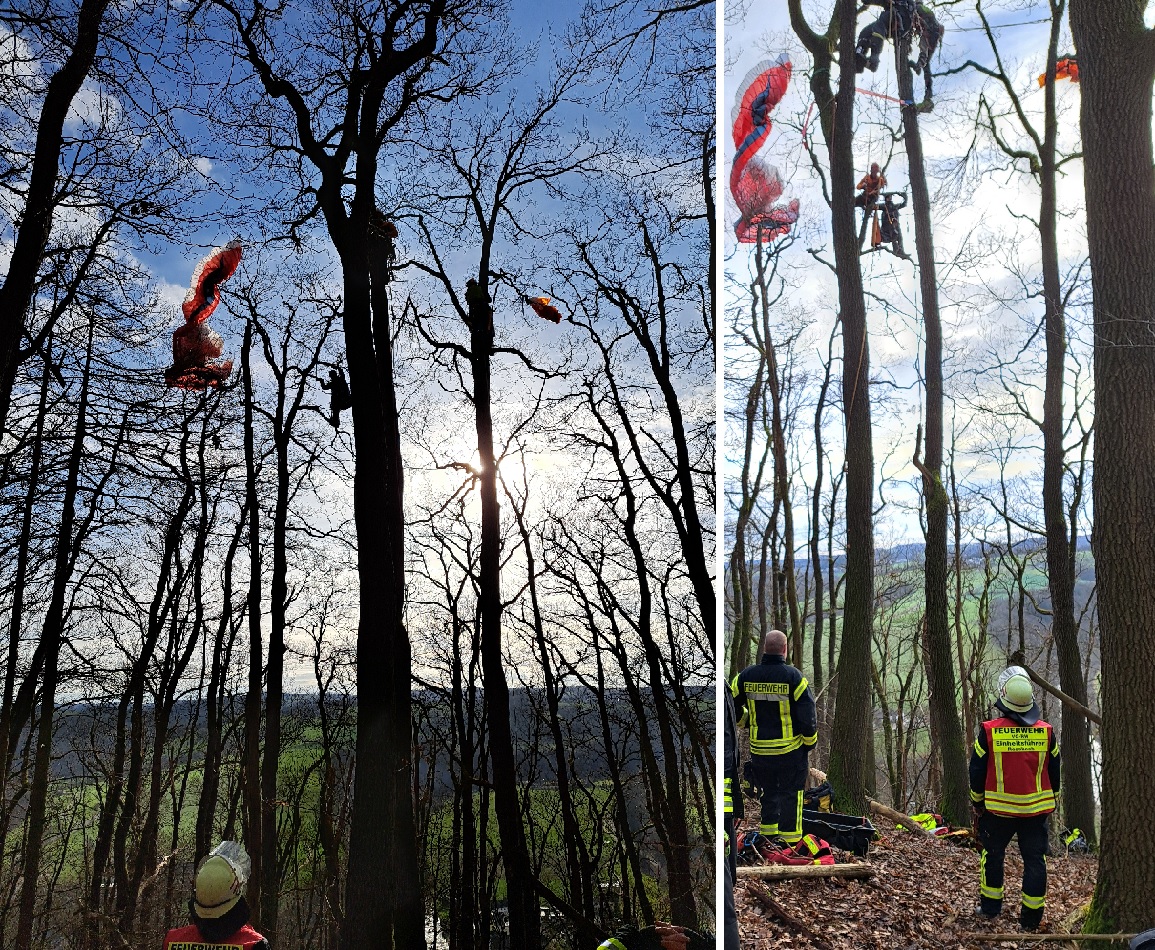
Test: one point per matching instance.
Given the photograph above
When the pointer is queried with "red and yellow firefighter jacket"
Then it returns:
(1014, 769)
(190, 938)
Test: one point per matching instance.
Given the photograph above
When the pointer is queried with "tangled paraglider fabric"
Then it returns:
(1066, 68)
(755, 185)
(196, 347)
(542, 308)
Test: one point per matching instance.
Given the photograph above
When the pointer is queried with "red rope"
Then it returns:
(871, 92)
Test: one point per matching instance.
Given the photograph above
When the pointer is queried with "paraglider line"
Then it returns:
(999, 26)
(806, 123)
(879, 95)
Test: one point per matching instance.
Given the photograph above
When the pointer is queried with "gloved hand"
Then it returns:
(749, 786)
(978, 810)
(671, 936)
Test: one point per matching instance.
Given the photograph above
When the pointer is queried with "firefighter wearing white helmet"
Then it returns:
(218, 911)
(1014, 777)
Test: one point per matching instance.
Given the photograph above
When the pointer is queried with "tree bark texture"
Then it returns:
(40, 200)
(524, 916)
(1117, 69)
(849, 769)
(944, 713)
(1078, 792)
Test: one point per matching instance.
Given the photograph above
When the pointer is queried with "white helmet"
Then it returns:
(1016, 696)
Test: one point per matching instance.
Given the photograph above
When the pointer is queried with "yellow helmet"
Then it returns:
(221, 880)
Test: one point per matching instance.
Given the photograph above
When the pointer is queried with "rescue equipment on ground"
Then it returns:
(846, 832)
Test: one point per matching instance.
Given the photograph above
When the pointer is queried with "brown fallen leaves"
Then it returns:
(922, 896)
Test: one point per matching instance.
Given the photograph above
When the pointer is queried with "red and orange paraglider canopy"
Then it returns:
(196, 348)
(542, 308)
(1065, 68)
(755, 184)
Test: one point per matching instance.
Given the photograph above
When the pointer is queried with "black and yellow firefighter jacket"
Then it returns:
(775, 701)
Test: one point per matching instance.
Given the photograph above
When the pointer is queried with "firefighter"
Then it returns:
(478, 305)
(895, 20)
(1014, 777)
(339, 396)
(871, 187)
(890, 231)
(217, 909)
(733, 807)
(778, 707)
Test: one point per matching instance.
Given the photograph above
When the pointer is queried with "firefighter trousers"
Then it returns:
(996, 832)
(781, 779)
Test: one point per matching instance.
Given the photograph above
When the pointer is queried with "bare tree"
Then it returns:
(1117, 72)
(852, 729)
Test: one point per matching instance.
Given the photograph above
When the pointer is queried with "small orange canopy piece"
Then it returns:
(1066, 68)
(542, 308)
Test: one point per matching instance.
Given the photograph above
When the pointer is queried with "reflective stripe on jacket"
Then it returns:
(775, 700)
(1015, 769)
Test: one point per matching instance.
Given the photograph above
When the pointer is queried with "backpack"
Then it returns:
(818, 798)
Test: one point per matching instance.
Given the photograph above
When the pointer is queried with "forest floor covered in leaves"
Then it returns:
(923, 895)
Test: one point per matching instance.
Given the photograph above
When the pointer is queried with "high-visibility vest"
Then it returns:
(1018, 782)
(189, 938)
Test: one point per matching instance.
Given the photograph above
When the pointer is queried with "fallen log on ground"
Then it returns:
(908, 823)
(797, 924)
(782, 872)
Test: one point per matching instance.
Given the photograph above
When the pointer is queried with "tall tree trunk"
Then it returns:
(409, 917)
(849, 771)
(944, 714)
(15, 618)
(52, 635)
(524, 916)
(254, 820)
(19, 285)
(274, 679)
(956, 510)
(215, 705)
(1078, 794)
(1117, 70)
(776, 384)
(815, 531)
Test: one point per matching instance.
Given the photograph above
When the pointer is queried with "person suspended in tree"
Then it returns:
(895, 20)
(477, 304)
(930, 33)
(339, 396)
(889, 230)
(871, 186)
(385, 231)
